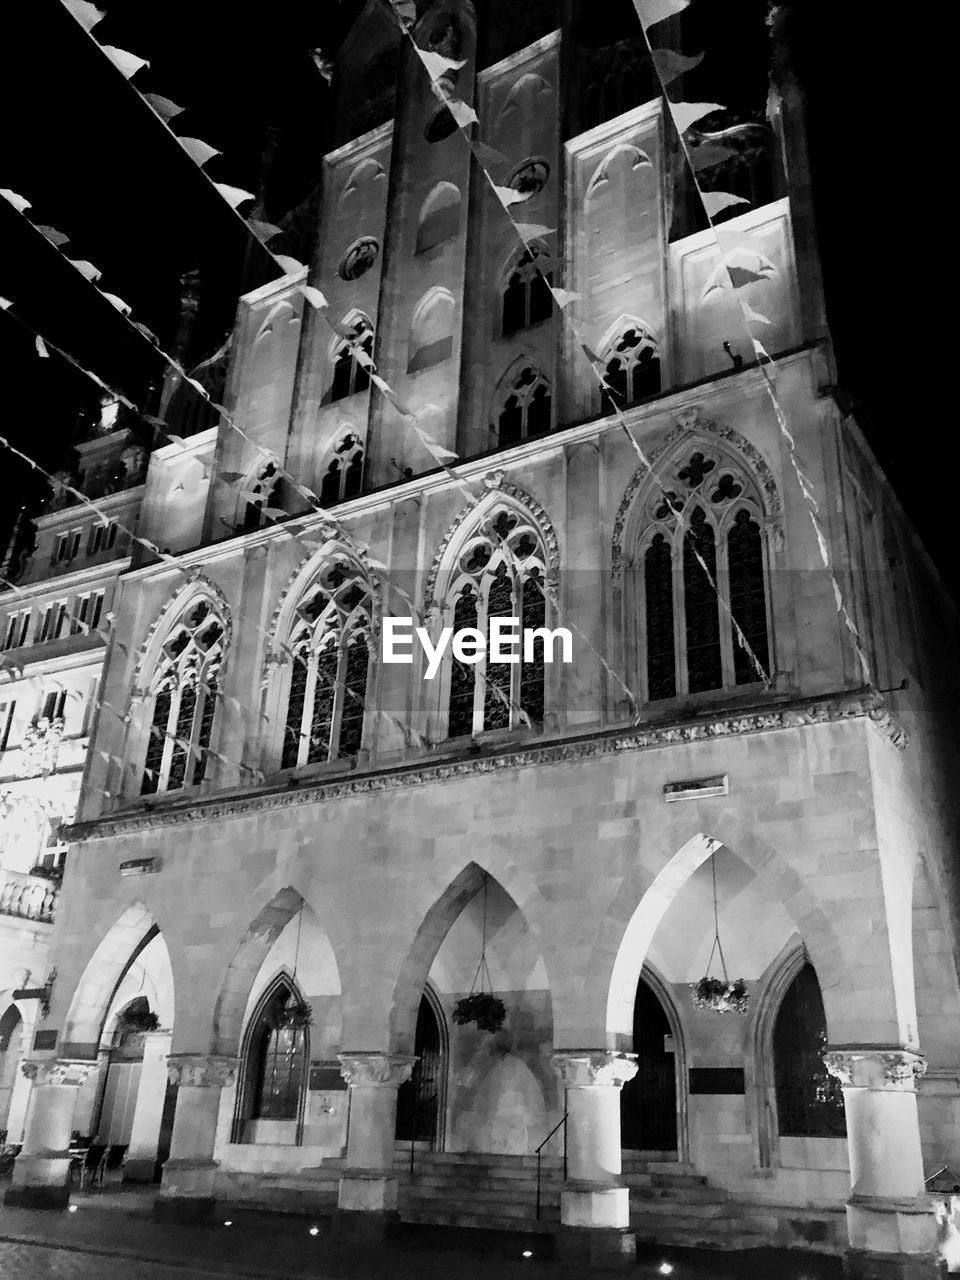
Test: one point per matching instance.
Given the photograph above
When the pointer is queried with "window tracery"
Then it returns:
(185, 688)
(525, 408)
(260, 496)
(526, 299)
(351, 370)
(499, 573)
(702, 576)
(359, 258)
(343, 477)
(632, 370)
(330, 647)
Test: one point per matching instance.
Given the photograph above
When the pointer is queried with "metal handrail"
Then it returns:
(539, 1154)
(416, 1116)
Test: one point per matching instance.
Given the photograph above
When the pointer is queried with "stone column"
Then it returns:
(41, 1174)
(187, 1187)
(141, 1158)
(367, 1198)
(890, 1222)
(594, 1206)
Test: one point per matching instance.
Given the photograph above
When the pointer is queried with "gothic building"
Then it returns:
(300, 858)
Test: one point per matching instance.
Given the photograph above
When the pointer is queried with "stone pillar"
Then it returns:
(594, 1206)
(141, 1158)
(890, 1222)
(187, 1187)
(367, 1198)
(41, 1174)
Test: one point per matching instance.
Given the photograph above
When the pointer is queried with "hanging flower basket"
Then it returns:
(486, 1010)
(296, 1015)
(720, 995)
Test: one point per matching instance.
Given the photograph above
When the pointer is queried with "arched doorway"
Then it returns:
(421, 1099)
(125, 1061)
(809, 1100)
(11, 1051)
(648, 1102)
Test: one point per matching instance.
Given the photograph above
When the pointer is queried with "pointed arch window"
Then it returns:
(330, 644)
(809, 1099)
(632, 369)
(352, 359)
(524, 407)
(185, 687)
(490, 582)
(701, 570)
(526, 298)
(439, 217)
(343, 476)
(277, 1054)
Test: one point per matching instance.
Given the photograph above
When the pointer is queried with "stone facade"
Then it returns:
(577, 853)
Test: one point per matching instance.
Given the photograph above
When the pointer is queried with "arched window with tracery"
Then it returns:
(523, 408)
(275, 1061)
(702, 579)
(809, 1099)
(184, 689)
(500, 573)
(526, 298)
(632, 369)
(343, 475)
(330, 645)
(351, 360)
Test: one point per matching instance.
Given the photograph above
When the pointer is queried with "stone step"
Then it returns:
(479, 1181)
(456, 1217)
(485, 1196)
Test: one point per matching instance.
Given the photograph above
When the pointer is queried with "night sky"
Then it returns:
(98, 166)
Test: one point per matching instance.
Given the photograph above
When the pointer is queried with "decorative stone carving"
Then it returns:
(40, 748)
(171, 611)
(589, 1067)
(57, 1071)
(873, 1067)
(387, 1070)
(201, 1071)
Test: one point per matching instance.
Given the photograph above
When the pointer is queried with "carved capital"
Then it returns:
(385, 1069)
(584, 1067)
(201, 1070)
(875, 1067)
(58, 1071)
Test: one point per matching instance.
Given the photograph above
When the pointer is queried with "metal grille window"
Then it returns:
(331, 662)
(499, 574)
(701, 577)
(185, 687)
(809, 1099)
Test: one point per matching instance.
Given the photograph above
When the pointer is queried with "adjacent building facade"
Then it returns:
(299, 858)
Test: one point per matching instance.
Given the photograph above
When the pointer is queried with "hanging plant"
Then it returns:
(485, 1009)
(140, 1020)
(481, 1006)
(719, 994)
(295, 1015)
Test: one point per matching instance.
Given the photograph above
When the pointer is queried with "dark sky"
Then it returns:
(97, 166)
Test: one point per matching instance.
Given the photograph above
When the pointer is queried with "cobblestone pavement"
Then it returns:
(116, 1239)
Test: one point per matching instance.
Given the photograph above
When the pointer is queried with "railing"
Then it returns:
(421, 1104)
(27, 897)
(539, 1154)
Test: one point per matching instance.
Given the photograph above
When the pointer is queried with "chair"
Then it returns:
(91, 1167)
(113, 1164)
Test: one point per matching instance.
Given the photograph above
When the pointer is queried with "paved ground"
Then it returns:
(113, 1238)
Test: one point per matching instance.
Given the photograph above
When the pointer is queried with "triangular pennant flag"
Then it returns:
(18, 202)
(508, 196)
(86, 14)
(753, 316)
(41, 346)
(5, 304)
(760, 349)
(405, 11)
(263, 230)
(86, 269)
(437, 64)
(461, 112)
(128, 64)
(488, 155)
(123, 307)
(234, 196)
(709, 155)
(716, 201)
(533, 230)
(164, 107)
(198, 150)
(669, 64)
(687, 113)
(313, 296)
(290, 265)
(53, 235)
(147, 333)
(650, 12)
(564, 297)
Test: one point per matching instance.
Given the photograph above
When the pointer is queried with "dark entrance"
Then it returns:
(648, 1102)
(419, 1099)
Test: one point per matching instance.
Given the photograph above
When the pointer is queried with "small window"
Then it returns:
(431, 333)
(54, 704)
(526, 298)
(111, 535)
(359, 258)
(59, 549)
(525, 409)
(439, 217)
(530, 177)
(352, 360)
(75, 539)
(95, 541)
(344, 474)
(6, 721)
(262, 491)
(16, 633)
(632, 371)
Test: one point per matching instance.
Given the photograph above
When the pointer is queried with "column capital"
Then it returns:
(387, 1069)
(201, 1070)
(579, 1068)
(58, 1071)
(875, 1066)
